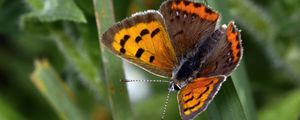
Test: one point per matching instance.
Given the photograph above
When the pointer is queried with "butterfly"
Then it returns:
(180, 41)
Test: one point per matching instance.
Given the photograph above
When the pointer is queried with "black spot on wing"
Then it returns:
(190, 99)
(186, 109)
(186, 3)
(238, 46)
(124, 40)
(151, 59)
(196, 5)
(178, 33)
(207, 10)
(237, 38)
(144, 32)
(157, 30)
(207, 88)
(229, 44)
(138, 39)
(210, 83)
(139, 52)
(126, 37)
(198, 103)
(200, 96)
(122, 50)
(188, 94)
(239, 54)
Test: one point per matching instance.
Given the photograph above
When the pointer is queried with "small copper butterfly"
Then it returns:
(180, 41)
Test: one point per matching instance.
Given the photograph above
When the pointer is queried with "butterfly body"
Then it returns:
(190, 65)
(180, 41)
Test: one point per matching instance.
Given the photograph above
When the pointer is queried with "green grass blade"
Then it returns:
(241, 83)
(55, 91)
(113, 67)
(226, 105)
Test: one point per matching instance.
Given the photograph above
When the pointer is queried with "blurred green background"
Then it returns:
(52, 66)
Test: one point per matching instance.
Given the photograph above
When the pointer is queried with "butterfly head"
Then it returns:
(176, 85)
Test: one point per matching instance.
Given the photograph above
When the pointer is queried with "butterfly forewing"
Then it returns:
(226, 53)
(196, 95)
(188, 24)
(143, 40)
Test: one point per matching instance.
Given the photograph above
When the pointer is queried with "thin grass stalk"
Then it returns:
(112, 66)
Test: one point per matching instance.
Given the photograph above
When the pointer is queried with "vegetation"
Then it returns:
(52, 65)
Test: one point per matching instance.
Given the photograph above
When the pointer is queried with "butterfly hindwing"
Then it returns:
(226, 52)
(196, 95)
(188, 23)
(143, 40)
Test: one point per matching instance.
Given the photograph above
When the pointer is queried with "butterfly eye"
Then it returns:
(176, 87)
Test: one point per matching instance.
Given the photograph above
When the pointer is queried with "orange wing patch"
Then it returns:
(195, 8)
(143, 40)
(196, 95)
(233, 36)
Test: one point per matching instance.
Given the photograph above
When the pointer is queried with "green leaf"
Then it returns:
(112, 66)
(8, 112)
(54, 10)
(55, 91)
(286, 107)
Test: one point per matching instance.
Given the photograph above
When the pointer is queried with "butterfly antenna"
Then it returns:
(165, 106)
(155, 81)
